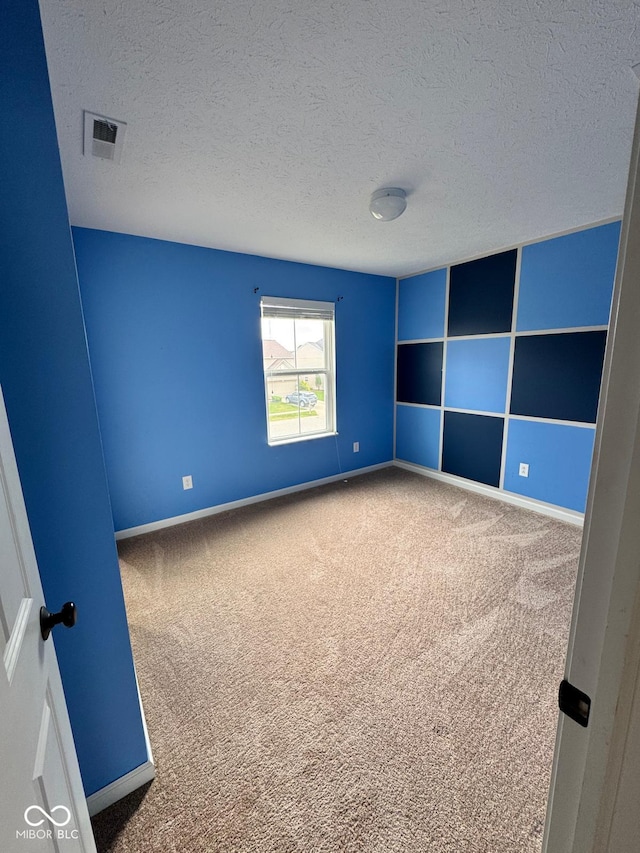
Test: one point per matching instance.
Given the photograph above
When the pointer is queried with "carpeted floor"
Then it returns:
(368, 666)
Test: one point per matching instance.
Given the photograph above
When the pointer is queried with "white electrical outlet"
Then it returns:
(187, 482)
(524, 469)
(356, 447)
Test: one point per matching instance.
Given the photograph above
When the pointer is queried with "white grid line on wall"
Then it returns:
(512, 351)
(444, 367)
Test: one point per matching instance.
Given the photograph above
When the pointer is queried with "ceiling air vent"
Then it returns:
(103, 137)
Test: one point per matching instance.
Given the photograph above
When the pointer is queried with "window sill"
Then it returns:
(298, 438)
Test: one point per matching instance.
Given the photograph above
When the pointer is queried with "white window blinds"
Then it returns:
(299, 309)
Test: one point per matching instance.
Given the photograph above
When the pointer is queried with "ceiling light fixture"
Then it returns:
(388, 203)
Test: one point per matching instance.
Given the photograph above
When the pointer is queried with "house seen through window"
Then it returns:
(299, 373)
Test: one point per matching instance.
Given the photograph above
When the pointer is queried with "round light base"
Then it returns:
(388, 203)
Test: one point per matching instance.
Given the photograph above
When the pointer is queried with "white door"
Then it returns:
(42, 803)
(595, 775)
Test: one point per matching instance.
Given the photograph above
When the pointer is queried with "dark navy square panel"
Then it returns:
(558, 376)
(420, 373)
(472, 447)
(481, 295)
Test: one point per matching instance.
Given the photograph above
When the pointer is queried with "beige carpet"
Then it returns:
(368, 666)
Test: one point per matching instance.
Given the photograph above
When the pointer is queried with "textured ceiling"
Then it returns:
(263, 126)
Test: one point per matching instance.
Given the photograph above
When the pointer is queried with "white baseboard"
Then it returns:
(559, 512)
(110, 794)
(144, 719)
(265, 496)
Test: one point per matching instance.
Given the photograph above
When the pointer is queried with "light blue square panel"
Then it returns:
(421, 306)
(476, 374)
(559, 460)
(418, 435)
(568, 281)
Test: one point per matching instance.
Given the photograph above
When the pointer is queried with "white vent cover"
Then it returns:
(103, 137)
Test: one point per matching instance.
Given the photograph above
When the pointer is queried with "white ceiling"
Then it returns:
(263, 126)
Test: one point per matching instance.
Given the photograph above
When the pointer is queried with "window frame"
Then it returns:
(276, 307)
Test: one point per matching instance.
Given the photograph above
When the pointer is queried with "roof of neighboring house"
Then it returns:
(272, 349)
(278, 363)
(317, 344)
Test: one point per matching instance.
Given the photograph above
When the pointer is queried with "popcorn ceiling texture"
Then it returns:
(369, 666)
(264, 127)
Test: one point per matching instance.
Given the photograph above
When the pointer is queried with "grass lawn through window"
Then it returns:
(282, 411)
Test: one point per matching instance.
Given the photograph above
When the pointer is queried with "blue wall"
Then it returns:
(515, 351)
(174, 338)
(45, 377)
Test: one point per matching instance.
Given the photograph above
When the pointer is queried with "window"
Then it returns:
(299, 374)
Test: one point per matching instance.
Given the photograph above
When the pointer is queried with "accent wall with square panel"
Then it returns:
(499, 363)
